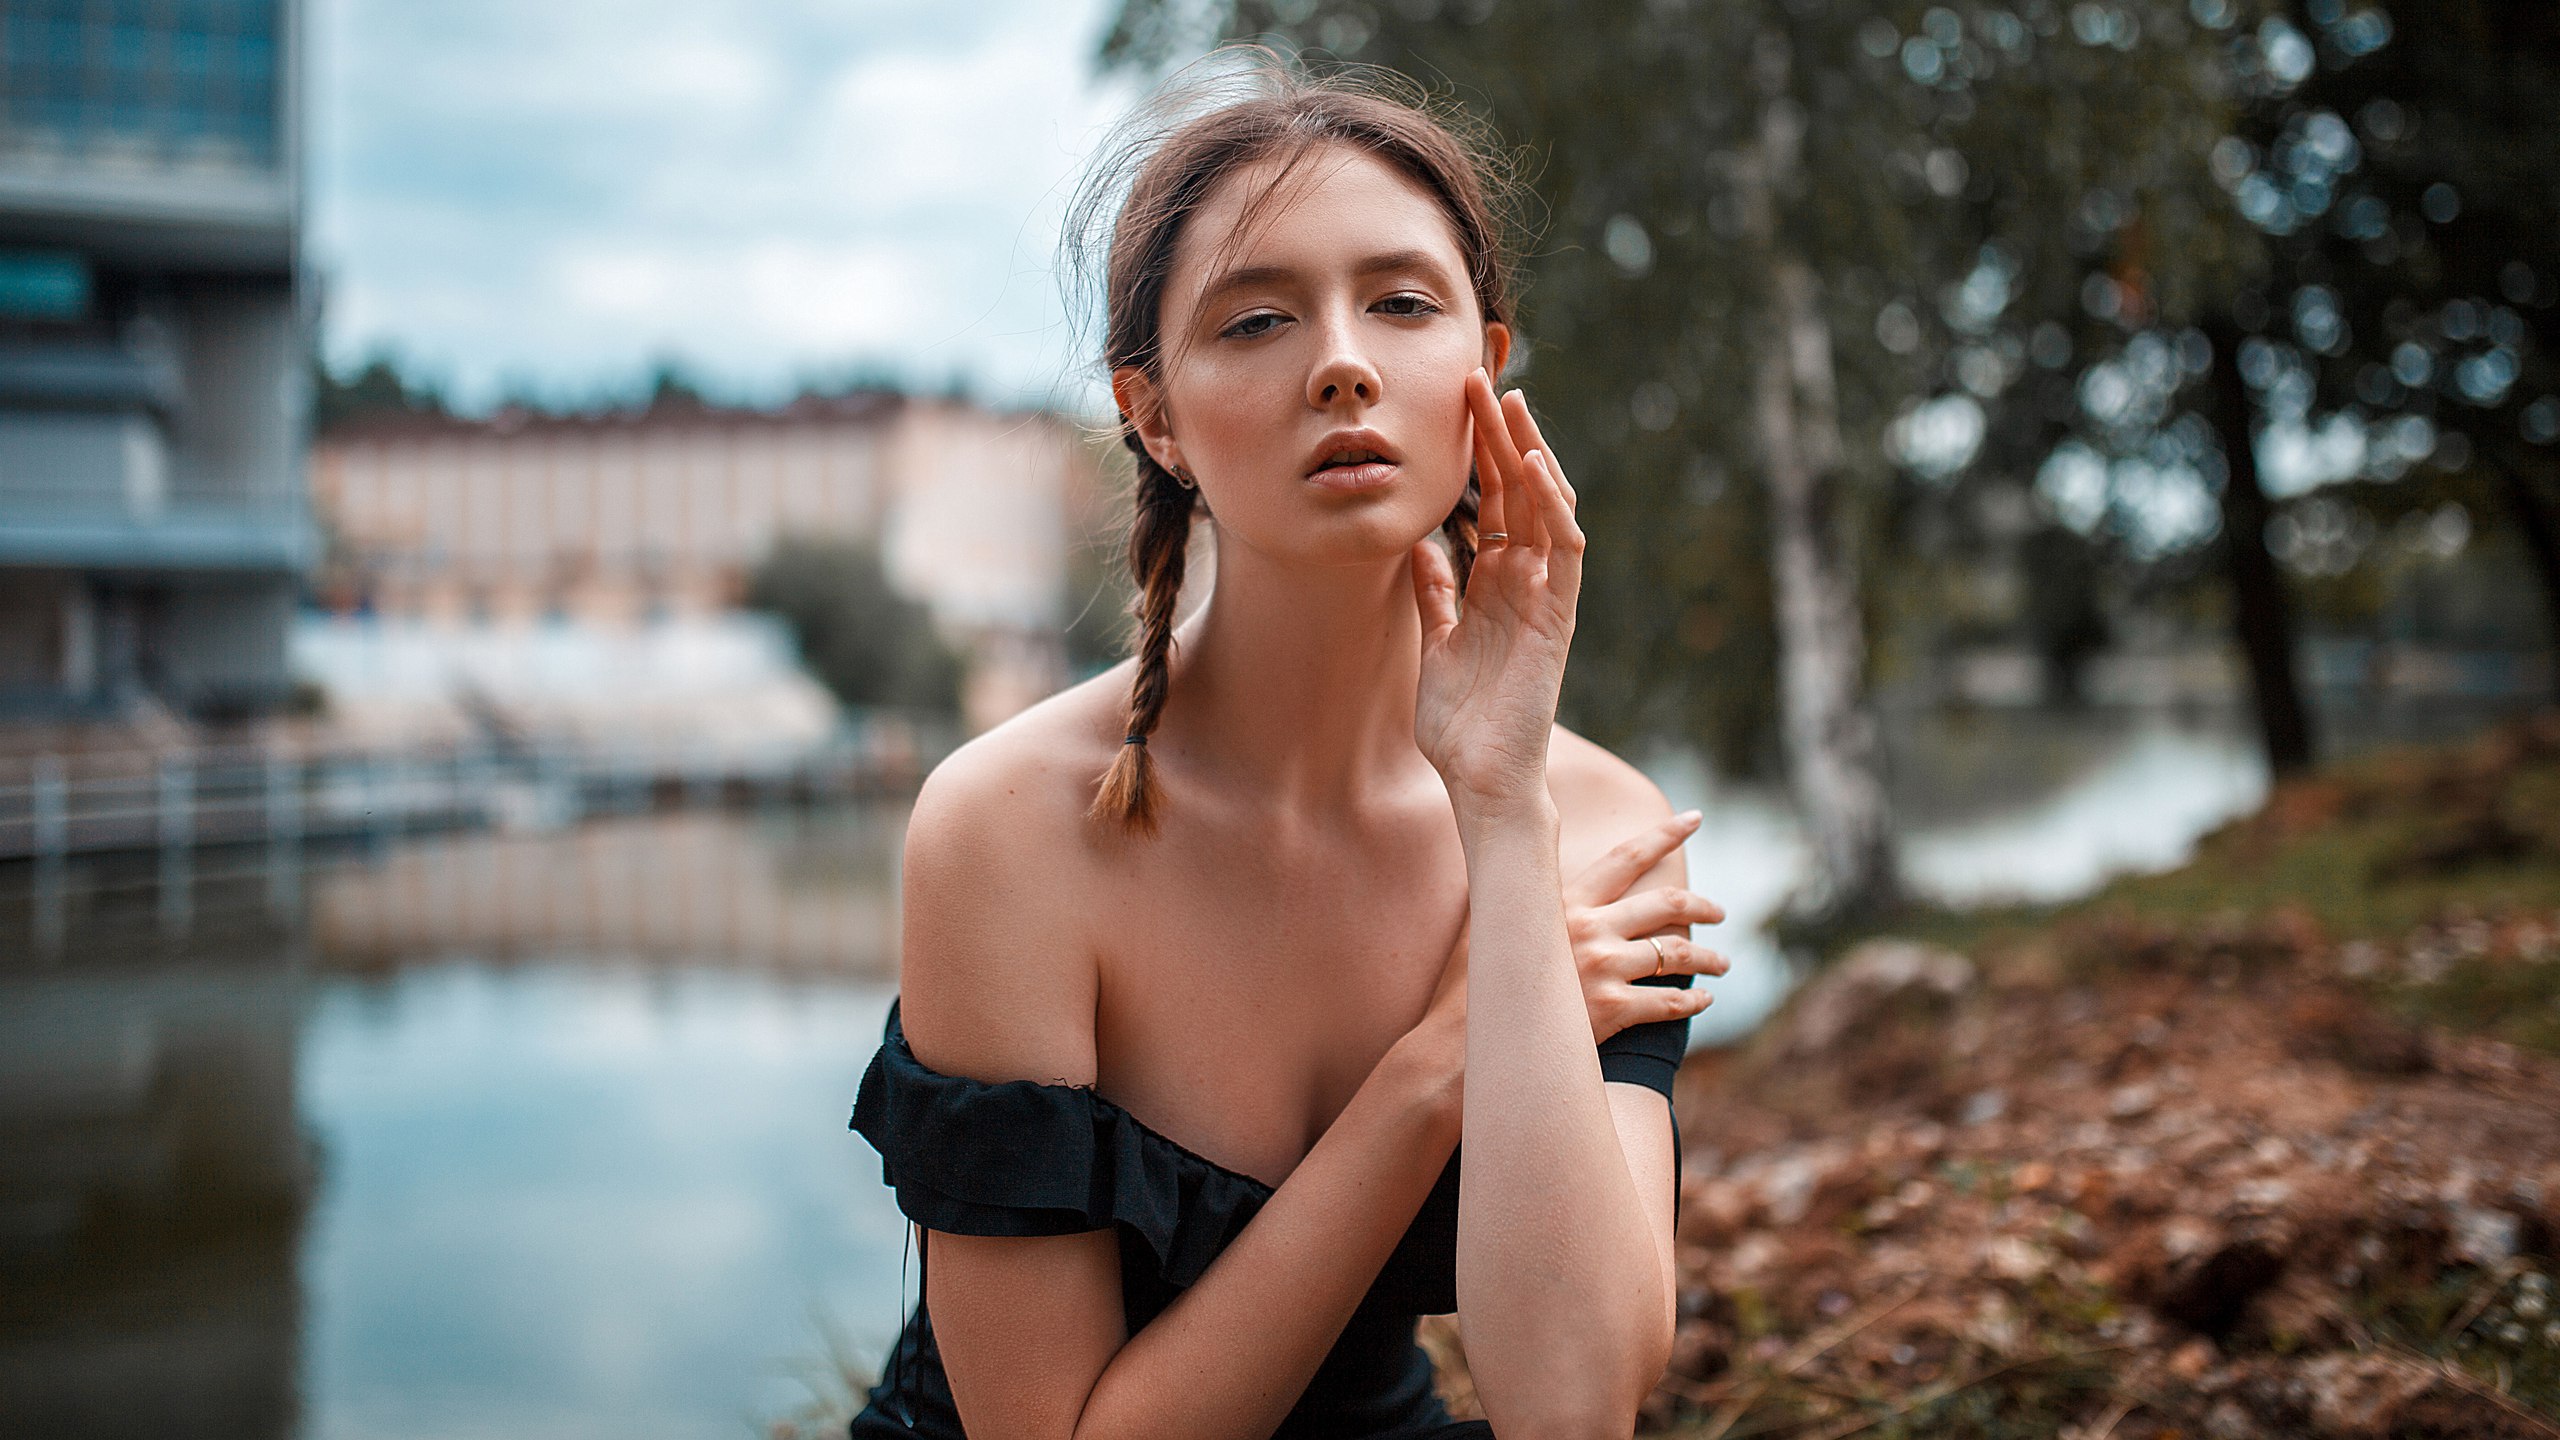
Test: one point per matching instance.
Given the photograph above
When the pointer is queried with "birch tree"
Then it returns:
(1756, 213)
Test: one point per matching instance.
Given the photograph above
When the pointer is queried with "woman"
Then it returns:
(1309, 922)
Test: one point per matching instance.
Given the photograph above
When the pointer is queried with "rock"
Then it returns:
(2358, 1395)
(1789, 1187)
(2186, 1235)
(2013, 1258)
(2130, 1102)
(1984, 1106)
(1758, 1252)
(2227, 1421)
(1870, 977)
(2484, 1236)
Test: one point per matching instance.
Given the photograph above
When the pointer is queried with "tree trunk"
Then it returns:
(2261, 613)
(1834, 753)
(2539, 519)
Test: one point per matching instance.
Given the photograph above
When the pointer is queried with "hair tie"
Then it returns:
(1134, 740)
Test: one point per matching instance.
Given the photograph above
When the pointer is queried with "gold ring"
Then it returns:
(1492, 535)
(1657, 955)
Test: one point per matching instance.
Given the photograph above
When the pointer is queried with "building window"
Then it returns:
(184, 82)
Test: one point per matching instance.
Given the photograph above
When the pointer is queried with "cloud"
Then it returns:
(812, 300)
(560, 194)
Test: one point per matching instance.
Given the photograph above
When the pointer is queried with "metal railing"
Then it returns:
(53, 806)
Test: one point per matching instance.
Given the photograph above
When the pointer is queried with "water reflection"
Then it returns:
(1994, 805)
(580, 1201)
(543, 1133)
(810, 894)
(154, 1180)
(515, 1134)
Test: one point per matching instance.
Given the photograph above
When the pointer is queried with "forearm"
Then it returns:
(1559, 1285)
(1231, 1355)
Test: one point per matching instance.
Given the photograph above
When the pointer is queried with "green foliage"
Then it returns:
(1937, 141)
(2501, 1325)
(869, 644)
(2404, 183)
(376, 388)
(1099, 591)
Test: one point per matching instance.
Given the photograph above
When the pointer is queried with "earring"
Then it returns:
(1182, 477)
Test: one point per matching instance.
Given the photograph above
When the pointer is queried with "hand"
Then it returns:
(1608, 926)
(1492, 670)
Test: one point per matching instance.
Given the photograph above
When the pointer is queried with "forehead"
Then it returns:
(1327, 206)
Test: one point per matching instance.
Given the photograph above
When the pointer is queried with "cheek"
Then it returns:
(1436, 384)
(1230, 408)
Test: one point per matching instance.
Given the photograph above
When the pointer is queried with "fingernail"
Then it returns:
(1690, 817)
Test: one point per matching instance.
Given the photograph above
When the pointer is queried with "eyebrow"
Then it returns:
(1378, 264)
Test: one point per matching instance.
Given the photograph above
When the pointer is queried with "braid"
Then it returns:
(1157, 543)
(1460, 527)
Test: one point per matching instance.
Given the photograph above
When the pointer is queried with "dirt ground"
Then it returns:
(2128, 1170)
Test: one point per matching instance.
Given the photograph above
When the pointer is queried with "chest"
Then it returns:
(1249, 982)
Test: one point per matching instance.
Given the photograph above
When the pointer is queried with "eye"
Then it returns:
(1251, 325)
(1408, 303)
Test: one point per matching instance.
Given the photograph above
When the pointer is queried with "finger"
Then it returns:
(1520, 509)
(1491, 501)
(1608, 877)
(1554, 511)
(1526, 434)
(1558, 532)
(1533, 484)
(1435, 592)
(1648, 1003)
(1652, 910)
(1679, 957)
(1493, 504)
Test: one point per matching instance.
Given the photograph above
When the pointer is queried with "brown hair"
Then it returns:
(1180, 149)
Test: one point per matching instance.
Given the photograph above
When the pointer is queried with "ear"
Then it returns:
(1142, 406)
(1497, 349)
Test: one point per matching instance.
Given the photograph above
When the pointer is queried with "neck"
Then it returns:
(1295, 685)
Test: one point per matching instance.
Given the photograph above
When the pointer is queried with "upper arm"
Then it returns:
(994, 982)
(994, 986)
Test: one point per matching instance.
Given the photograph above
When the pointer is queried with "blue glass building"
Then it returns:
(153, 341)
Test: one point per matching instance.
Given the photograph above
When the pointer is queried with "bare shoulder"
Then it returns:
(996, 967)
(1600, 799)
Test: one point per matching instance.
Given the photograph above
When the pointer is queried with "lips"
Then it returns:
(1353, 460)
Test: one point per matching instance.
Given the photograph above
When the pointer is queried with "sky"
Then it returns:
(551, 198)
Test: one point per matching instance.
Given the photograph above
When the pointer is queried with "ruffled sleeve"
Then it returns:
(1023, 1157)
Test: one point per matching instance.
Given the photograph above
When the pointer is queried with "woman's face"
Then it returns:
(1315, 359)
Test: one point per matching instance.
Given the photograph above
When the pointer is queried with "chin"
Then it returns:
(1375, 536)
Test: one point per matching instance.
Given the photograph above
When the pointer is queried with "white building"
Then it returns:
(617, 522)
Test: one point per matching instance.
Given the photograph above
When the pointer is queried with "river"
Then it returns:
(543, 1134)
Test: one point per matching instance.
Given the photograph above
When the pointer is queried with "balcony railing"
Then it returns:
(134, 520)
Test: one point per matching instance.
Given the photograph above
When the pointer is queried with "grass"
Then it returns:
(2375, 850)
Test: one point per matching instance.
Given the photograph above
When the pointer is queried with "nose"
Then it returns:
(1343, 373)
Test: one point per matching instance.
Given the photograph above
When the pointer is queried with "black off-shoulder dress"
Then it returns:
(1022, 1157)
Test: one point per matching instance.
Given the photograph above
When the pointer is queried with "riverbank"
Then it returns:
(2268, 1145)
